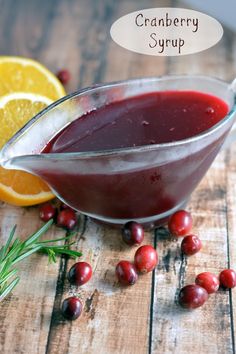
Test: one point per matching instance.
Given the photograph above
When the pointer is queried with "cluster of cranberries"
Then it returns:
(195, 295)
(180, 224)
(206, 283)
(79, 274)
(63, 215)
(145, 258)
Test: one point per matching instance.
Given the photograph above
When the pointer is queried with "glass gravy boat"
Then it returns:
(146, 183)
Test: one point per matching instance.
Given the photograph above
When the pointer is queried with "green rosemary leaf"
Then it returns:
(58, 239)
(1, 253)
(8, 275)
(71, 253)
(7, 245)
(5, 266)
(26, 254)
(9, 288)
(61, 250)
(14, 250)
(38, 233)
(51, 256)
(45, 246)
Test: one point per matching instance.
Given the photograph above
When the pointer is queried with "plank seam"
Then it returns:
(60, 283)
(228, 256)
(152, 302)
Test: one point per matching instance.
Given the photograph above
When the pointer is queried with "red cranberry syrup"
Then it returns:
(152, 118)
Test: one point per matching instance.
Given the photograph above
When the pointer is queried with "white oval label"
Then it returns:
(166, 31)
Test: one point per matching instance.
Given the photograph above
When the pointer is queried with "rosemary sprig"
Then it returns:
(16, 250)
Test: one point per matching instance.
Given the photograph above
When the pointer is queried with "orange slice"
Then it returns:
(19, 74)
(17, 187)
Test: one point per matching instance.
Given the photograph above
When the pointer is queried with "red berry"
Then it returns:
(192, 296)
(132, 233)
(208, 281)
(71, 308)
(47, 211)
(145, 258)
(66, 218)
(191, 244)
(228, 278)
(80, 273)
(180, 223)
(126, 273)
(64, 76)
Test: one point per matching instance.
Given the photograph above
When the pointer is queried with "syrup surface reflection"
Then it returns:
(153, 118)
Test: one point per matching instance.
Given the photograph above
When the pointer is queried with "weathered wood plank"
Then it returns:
(114, 316)
(81, 41)
(122, 64)
(178, 330)
(25, 315)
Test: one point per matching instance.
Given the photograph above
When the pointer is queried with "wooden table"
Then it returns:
(144, 318)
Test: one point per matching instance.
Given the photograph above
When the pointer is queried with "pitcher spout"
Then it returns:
(32, 138)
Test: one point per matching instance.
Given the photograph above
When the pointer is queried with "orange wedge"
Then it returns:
(22, 189)
(26, 87)
(17, 187)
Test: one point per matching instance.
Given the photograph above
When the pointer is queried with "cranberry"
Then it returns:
(71, 308)
(132, 233)
(208, 281)
(145, 258)
(80, 273)
(126, 273)
(192, 296)
(228, 278)
(64, 76)
(66, 218)
(180, 223)
(47, 211)
(191, 244)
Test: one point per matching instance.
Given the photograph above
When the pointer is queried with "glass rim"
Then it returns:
(118, 151)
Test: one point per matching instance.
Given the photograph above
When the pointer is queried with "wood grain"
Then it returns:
(144, 318)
